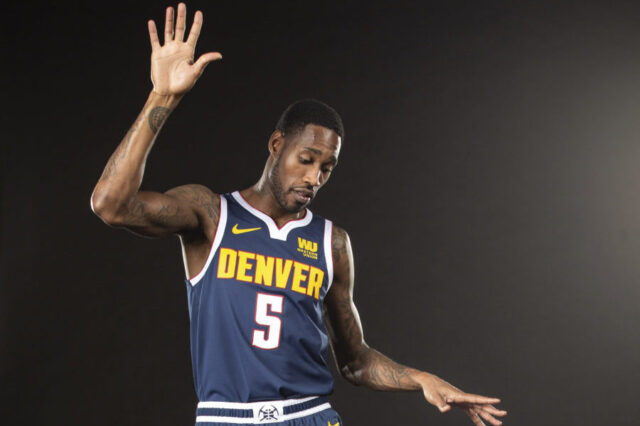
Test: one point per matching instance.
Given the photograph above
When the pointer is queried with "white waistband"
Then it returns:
(251, 405)
(263, 411)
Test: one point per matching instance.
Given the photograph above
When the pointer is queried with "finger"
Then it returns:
(195, 29)
(488, 417)
(168, 25)
(493, 410)
(153, 35)
(181, 22)
(474, 418)
(205, 59)
(472, 399)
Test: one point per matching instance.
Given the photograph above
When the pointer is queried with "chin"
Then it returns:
(295, 206)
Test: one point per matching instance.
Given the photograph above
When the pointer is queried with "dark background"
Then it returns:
(489, 181)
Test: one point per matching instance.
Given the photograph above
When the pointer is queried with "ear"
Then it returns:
(276, 142)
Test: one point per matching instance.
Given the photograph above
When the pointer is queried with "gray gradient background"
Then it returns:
(489, 181)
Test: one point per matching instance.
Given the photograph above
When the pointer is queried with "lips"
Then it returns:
(304, 194)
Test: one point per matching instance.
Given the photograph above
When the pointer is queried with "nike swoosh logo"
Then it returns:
(235, 229)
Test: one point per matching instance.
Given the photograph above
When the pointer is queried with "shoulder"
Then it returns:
(339, 236)
(340, 245)
(201, 199)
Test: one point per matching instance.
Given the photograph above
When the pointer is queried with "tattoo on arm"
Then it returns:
(165, 214)
(191, 211)
(381, 373)
(118, 155)
(350, 328)
(339, 245)
(157, 117)
(201, 196)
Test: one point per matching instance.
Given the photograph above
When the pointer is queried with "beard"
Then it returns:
(279, 193)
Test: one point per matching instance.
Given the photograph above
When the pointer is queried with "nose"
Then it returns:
(313, 177)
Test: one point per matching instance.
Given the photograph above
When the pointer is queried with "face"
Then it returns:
(302, 165)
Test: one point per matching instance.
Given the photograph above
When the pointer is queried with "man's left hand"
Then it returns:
(444, 395)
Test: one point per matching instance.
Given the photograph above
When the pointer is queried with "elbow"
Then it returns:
(354, 370)
(106, 208)
(350, 374)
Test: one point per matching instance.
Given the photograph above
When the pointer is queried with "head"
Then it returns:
(303, 150)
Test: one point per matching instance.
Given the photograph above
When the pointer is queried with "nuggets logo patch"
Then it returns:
(308, 248)
(337, 423)
(268, 412)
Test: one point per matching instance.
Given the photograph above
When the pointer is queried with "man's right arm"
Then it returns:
(116, 197)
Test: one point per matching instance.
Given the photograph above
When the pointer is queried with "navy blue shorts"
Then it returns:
(309, 411)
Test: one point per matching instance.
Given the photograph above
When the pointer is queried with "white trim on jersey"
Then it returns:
(274, 232)
(222, 223)
(328, 251)
(252, 405)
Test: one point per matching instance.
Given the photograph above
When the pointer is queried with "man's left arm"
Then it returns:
(362, 365)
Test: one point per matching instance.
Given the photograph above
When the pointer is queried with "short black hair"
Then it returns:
(309, 111)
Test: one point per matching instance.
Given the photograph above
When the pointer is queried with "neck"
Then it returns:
(260, 197)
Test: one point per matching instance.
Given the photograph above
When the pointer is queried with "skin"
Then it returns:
(299, 164)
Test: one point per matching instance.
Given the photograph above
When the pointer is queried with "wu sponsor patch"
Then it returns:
(308, 248)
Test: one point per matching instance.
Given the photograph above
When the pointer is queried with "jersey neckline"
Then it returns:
(275, 232)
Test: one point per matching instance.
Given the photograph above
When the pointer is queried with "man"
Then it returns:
(266, 274)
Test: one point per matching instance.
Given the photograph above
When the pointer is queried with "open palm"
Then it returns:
(173, 71)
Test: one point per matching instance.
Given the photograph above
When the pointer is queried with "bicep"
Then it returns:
(343, 325)
(177, 211)
(341, 314)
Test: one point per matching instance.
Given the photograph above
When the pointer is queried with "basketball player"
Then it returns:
(264, 273)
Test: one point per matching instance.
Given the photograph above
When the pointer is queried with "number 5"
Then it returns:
(270, 339)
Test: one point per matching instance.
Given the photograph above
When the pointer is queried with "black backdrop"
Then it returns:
(489, 181)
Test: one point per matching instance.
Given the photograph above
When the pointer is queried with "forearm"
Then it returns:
(122, 176)
(378, 372)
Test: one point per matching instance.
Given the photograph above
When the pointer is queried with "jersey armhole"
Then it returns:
(217, 239)
(328, 251)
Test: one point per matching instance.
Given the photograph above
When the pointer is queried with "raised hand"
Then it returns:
(173, 71)
(444, 395)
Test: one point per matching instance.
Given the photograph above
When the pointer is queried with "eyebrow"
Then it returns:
(318, 152)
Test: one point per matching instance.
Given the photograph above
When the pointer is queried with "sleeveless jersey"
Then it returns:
(256, 307)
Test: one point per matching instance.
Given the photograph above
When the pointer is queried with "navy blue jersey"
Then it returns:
(256, 307)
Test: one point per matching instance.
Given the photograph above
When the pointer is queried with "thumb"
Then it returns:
(444, 408)
(204, 60)
(439, 402)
